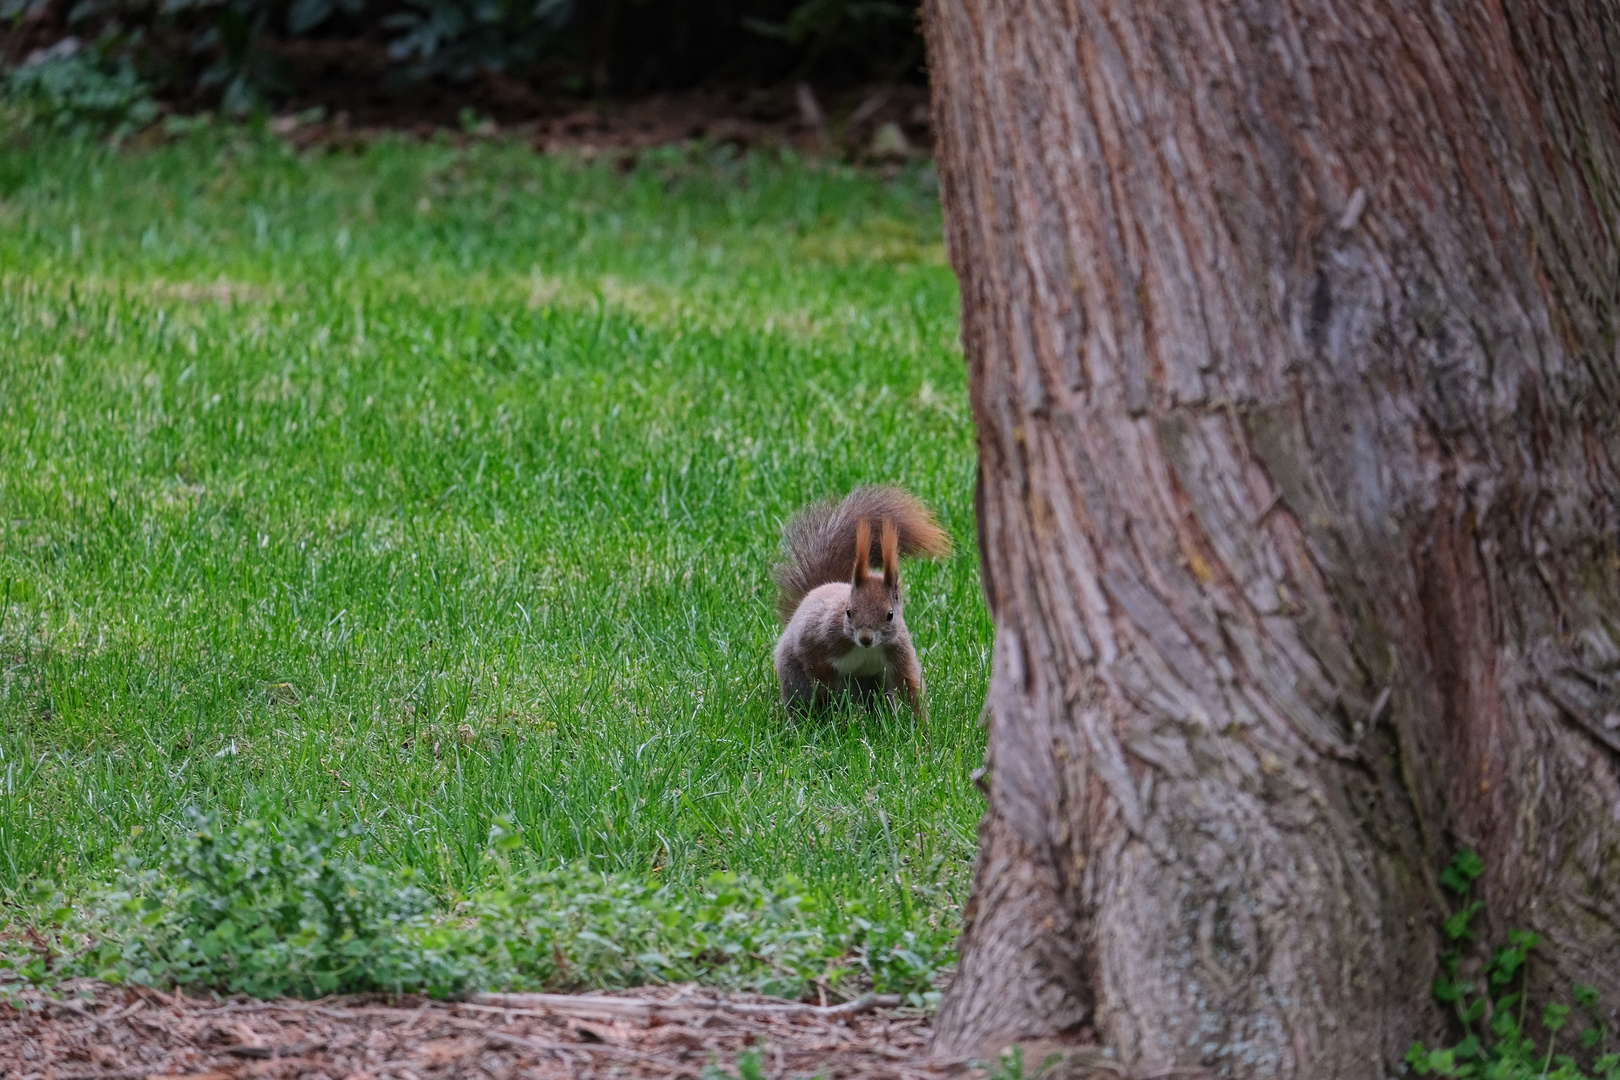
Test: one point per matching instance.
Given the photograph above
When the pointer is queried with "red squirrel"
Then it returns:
(846, 631)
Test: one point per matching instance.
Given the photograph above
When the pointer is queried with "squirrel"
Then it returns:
(845, 628)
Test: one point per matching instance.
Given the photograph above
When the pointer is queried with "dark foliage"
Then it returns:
(243, 55)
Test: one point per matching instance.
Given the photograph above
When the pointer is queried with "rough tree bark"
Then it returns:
(1292, 332)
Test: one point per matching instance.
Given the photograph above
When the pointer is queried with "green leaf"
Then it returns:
(1553, 1018)
(1465, 868)
(1456, 928)
(1524, 939)
(1443, 1062)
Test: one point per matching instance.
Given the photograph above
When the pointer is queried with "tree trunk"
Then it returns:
(1292, 332)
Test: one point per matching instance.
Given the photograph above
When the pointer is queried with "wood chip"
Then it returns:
(291, 1050)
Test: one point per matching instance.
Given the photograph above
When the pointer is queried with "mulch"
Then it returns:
(97, 1032)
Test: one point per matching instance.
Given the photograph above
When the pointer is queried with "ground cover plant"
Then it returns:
(433, 489)
(1492, 1008)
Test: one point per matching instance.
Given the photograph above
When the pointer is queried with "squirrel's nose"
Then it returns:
(866, 639)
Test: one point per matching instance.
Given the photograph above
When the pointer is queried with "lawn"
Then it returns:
(436, 487)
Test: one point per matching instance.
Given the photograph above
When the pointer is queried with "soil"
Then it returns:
(864, 132)
(99, 1032)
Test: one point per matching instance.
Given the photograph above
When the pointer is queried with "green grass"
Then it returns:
(434, 485)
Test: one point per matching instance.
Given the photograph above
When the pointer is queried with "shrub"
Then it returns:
(235, 49)
(77, 90)
(269, 906)
(293, 905)
(459, 39)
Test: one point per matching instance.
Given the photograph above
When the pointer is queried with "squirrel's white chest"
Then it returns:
(861, 663)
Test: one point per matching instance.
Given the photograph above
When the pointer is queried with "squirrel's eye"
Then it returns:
(891, 616)
(849, 613)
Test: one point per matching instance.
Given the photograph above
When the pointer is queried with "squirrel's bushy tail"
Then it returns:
(819, 540)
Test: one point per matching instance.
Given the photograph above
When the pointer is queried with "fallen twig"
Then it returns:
(537, 1047)
(642, 1009)
(297, 1049)
(591, 1008)
(864, 1003)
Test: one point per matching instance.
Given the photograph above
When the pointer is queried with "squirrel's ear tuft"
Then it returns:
(891, 555)
(863, 552)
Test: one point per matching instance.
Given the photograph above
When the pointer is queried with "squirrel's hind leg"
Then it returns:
(800, 693)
